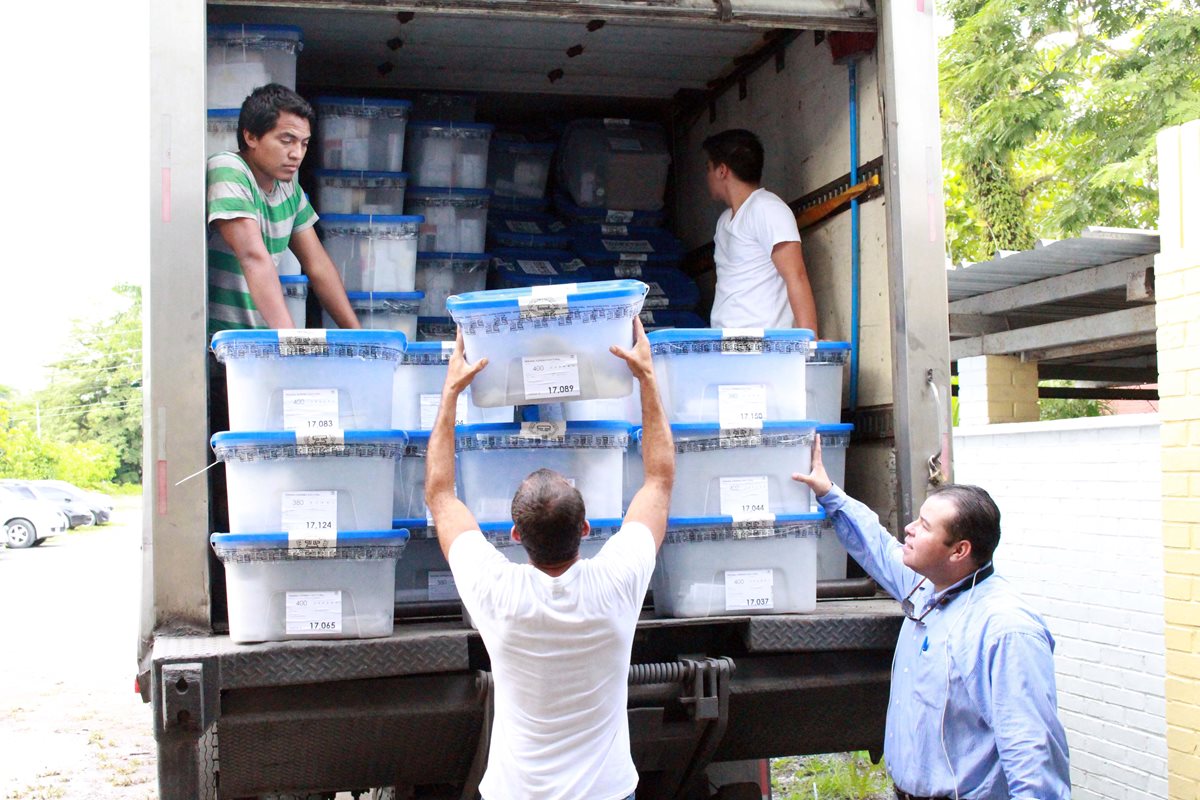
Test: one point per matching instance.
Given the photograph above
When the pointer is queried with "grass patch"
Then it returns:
(38, 791)
(836, 776)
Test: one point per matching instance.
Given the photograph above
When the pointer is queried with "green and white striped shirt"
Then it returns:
(234, 194)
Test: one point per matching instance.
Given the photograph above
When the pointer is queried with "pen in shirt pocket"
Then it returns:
(925, 644)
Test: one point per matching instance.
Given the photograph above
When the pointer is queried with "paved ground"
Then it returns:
(70, 723)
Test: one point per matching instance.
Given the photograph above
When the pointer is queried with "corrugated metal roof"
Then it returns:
(1095, 247)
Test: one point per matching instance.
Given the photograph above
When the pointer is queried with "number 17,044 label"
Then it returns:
(313, 613)
(550, 376)
(745, 497)
(749, 589)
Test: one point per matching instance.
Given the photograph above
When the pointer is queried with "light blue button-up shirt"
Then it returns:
(973, 710)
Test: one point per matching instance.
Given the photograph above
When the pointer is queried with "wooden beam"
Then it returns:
(1128, 376)
(1061, 287)
(976, 324)
(1099, 347)
(1096, 328)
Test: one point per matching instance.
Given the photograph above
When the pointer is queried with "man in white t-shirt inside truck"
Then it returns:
(761, 278)
(559, 630)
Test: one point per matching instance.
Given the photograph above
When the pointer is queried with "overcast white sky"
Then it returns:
(74, 198)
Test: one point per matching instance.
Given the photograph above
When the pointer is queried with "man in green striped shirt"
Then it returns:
(257, 211)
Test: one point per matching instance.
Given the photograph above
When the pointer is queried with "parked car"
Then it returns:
(101, 505)
(78, 513)
(28, 523)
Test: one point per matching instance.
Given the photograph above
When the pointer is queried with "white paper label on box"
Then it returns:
(628, 257)
(615, 217)
(574, 265)
(441, 585)
(626, 269)
(301, 341)
(313, 612)
(745, 497)
(550, 376)
(627, 245)
(547, 429)
(625, 144)
(536, 267)
(749, 589)
(614, 230)
(308, 516)
(546, 301)
(523, 226)
(310, 410)
(308, 443)
(742, 405)
(615, 123)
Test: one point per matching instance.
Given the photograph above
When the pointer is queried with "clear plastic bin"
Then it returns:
(626, 409)
(362, 133)
(824, 378)
(384, 311)
(515, 268)
(576, 214)
(422, 576)
(455, 219)
(661, 318)
(418, 390)
(831, 556)
(281, 589)
(221, 131)
(443, 106)
(494, 459)
(408, 491)
(518, 167)
(712, 567)
(295, 297)
(670, 288)
(615, 163)
(243, 57)
(453, 154)
(549, 344)
(745, 474)
(342, 191)
(440, 275)
(309, 380)
(735, 378)
(373, 253)
(341, 481)
(435, 329)
(529, 230)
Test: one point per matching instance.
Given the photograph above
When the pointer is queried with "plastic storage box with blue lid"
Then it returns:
(547, 344)
(500, 535)
(514, 268)
(494, 459)
(608, 216)
(221, 131)
(831, 556)
(528, 230)
(669, 288)
(362, 133)
(518, 167)
(348, 191)
(612, 244)
(295, 297)
(422, 577)
(309, 380)
(716, 566)
(447, 153)
(737, 378)
(373, 252)
(436, 329)
(745, 474)
(408, 493)
(826, 362)
(391, 311)
(418, 390)
(520, 205)
(243, 57)
(337, 480)
(614, 163)
(455, 218)
(661, 318)
(440, 275)
(284, 586)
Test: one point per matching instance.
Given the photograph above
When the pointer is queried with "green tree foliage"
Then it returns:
(1049, 113)
(26, 455)
(95, 392)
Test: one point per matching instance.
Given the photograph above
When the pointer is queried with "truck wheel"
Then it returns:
(20, 533)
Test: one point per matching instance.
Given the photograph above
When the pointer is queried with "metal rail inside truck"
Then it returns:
(411, 711)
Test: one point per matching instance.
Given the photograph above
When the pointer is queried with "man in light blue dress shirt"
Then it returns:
(973, 711)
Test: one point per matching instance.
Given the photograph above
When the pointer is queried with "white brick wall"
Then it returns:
(1080, 503)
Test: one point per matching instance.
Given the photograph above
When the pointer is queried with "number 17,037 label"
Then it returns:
(550, 376)
(749, 589)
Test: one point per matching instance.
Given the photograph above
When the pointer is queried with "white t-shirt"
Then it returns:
(750, 291)
(560, 650)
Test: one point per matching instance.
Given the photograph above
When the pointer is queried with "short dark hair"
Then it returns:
(549, 515)
(976, 519)
(738, 149)
(261, 110)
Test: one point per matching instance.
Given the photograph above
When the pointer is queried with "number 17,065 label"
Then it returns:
(313, 613)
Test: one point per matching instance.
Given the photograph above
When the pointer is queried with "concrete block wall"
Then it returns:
(1082, 540)
(995, 389)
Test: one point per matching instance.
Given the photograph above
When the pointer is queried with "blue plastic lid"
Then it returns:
(283, 438)
(385, 295)
(326, 100)
(259, 541)
(571, 427)
(566, 205)
(396, 340)
(566, 267)
(838, 427)
(232, 30)
(426, 348)
(374, 219)
(418, 437)
(358, 173)
(833, 345)
(414, 523)
(641, 243)
(474, 126)
(293, 279)
(767, 427)
(674, 288)
(224, 113)
(715, 334)
(498, 299)
(414, 192)
(779, 518)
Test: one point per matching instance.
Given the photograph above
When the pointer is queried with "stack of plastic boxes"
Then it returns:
(361, 190)
(742, 538)
(310, 460)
